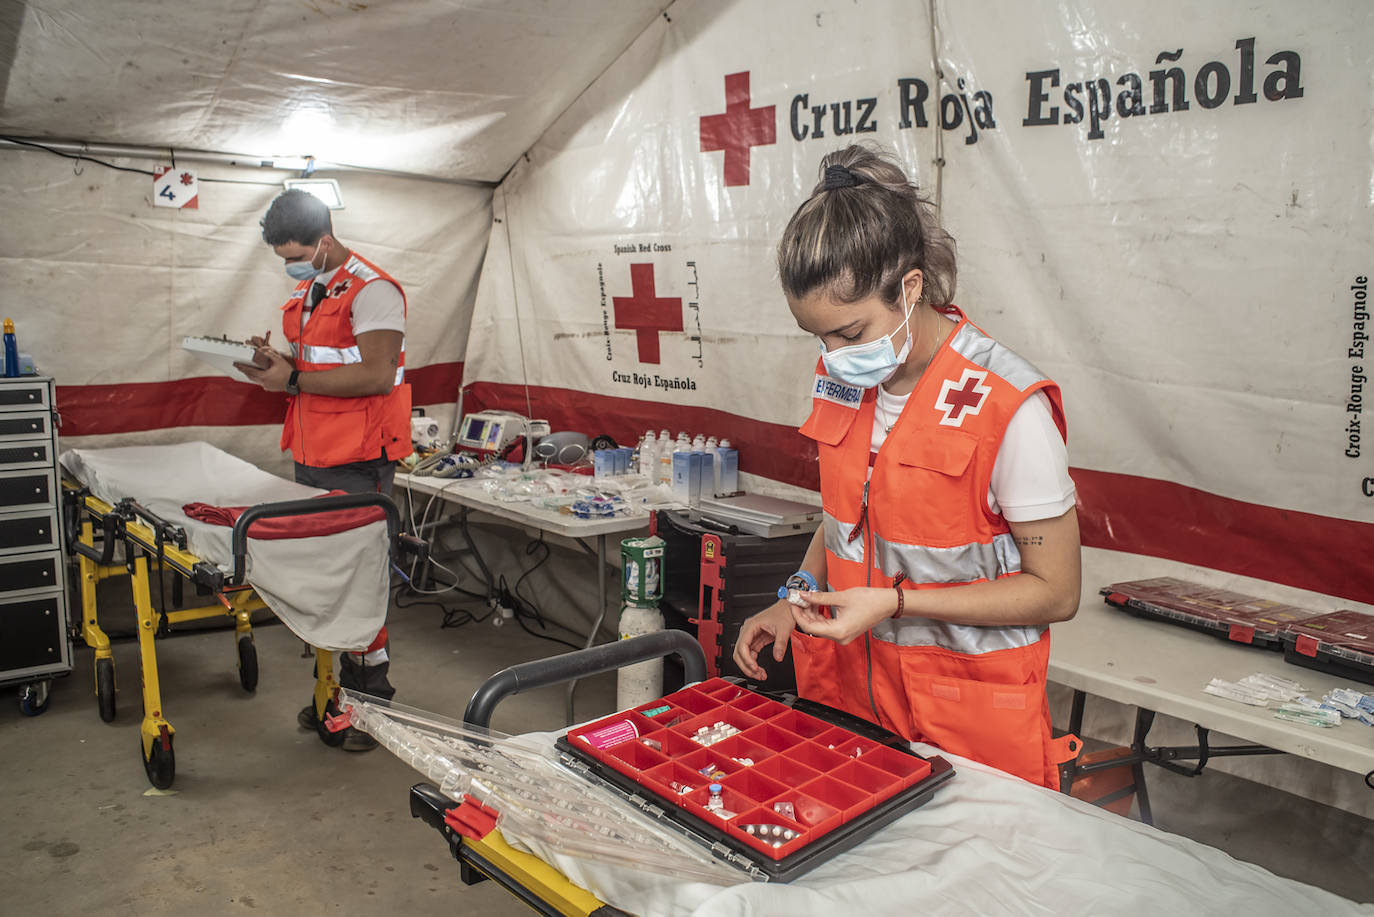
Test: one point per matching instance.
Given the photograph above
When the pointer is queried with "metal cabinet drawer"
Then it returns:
(30, 572)
(26, 489)
(27, 533)
(25, 395)
(37, 454)
(25, 425)
(33, 637)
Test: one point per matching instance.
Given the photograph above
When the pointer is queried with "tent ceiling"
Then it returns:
(454, 89)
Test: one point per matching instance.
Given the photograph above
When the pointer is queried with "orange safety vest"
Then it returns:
(323, 430)
(973, 691)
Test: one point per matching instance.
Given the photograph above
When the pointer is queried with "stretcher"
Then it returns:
(112, 536)
(988, 843)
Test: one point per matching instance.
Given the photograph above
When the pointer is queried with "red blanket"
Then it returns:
(327, 523)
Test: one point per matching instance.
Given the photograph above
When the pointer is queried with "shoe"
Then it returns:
(357, 740)
(307, 719)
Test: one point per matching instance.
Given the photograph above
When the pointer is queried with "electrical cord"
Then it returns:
(109, 165)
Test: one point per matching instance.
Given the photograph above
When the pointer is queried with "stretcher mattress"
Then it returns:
(330, 590)
(987, 843)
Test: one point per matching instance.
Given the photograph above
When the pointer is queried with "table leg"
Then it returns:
(1144, 719)
(600, 614)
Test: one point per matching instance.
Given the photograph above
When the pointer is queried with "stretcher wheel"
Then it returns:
(161, 764)
(330, 738)
(34, 697)
(105, 688)
(248, 663)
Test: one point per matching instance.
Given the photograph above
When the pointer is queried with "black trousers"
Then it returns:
(356, 478)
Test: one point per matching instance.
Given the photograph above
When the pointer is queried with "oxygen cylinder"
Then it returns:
(642, 682)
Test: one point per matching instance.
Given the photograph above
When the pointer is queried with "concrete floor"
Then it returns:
(267, 820)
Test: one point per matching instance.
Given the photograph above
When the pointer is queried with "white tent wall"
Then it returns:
(103, 286)
(1193, 277)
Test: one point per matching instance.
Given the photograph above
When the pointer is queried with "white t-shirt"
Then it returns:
(1030, 478)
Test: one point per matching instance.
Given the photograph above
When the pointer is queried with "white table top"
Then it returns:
(1164, 667)
(470, 493)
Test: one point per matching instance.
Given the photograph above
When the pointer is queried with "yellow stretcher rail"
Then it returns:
(540, 886)
(145, 538)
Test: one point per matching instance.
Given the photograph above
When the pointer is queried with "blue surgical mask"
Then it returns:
(871, 363)
(305, 270)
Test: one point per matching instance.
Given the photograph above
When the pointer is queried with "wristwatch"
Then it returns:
(293, 383)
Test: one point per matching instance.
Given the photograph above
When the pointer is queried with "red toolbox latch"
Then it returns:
(471, 819)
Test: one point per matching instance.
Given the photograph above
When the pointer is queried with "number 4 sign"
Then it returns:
(175, 188)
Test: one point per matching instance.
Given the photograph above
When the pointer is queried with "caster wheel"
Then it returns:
(332, 739)
(161, 764)
(248, 663)
(34, 697)
(105, 688)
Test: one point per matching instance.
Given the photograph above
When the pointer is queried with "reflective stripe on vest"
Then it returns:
(961, 638)
(976, 347)
(838, 540)
(344, 356)
(965, 563)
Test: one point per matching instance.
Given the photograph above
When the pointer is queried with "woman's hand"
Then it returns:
(772, 625)
(854, 611)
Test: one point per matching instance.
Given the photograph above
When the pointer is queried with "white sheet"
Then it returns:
(330, 590)
(988, 844)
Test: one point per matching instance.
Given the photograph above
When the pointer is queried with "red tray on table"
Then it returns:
(841, 785)
(1340, 643)
(1221, 612)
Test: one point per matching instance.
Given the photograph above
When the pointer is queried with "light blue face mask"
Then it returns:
(305, 270)
(872, 362)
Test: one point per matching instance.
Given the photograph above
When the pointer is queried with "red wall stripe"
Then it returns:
(1117, 512)
(209, 401)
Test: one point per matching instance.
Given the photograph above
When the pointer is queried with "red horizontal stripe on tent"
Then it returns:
(209, 401)
(1115, 511)
(1163, 519)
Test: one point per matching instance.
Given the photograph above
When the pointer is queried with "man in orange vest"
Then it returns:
(348, 411)
(950, 541)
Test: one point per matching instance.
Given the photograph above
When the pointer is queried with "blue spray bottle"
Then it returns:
(11, 349)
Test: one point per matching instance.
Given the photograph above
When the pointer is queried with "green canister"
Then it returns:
(642, 563)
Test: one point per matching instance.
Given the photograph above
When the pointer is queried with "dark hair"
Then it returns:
(863, 229)
(296, 216)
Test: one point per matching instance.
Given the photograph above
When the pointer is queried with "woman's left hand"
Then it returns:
(855, 612)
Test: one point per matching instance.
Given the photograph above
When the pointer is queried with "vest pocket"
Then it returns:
(946, 451)
(814, 658)
(1002, 725)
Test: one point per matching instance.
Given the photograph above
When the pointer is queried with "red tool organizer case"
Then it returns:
(839, 786)
(1340, 643)
(1221, 612)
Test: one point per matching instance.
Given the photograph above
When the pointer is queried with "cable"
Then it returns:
(110, 165)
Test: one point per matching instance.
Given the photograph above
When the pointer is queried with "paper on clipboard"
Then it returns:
(222, 354)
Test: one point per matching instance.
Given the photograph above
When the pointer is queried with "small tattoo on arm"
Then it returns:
(1030, 541)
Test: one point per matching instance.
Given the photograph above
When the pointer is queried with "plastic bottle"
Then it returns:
(648, 447)
(663, 459)
(11, 349)
(715, 466)
(699, 443)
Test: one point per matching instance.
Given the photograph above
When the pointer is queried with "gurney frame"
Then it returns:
(146, 537)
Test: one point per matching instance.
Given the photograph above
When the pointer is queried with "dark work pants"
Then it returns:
(357, 478)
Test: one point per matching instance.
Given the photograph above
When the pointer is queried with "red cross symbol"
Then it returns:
(963, 398)
(739, 129)
(187, 178)
(646, 314)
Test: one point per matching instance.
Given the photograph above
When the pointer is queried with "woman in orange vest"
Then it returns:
(950, 541)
